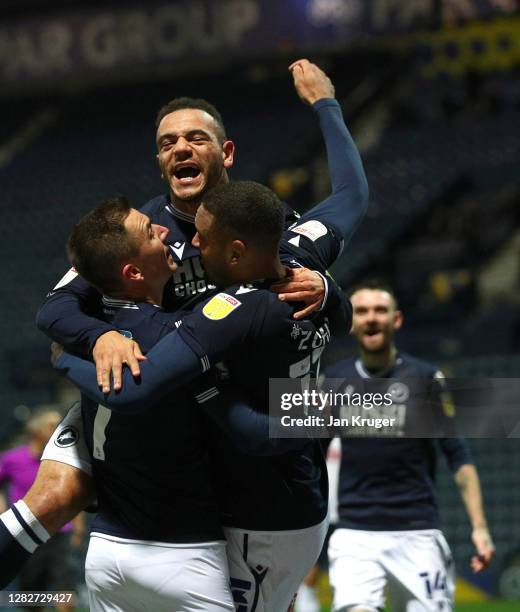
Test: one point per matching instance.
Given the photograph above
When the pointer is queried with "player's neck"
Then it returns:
(186, 206)
(270, 268)
(152, 295)
(377, 362)
(190, 207)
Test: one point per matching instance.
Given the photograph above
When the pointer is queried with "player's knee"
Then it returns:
(58, 493)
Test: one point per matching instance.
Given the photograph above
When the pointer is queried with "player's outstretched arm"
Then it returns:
(348, 202)
(468, 484)
(465, 474)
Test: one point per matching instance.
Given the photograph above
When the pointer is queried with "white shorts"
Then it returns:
(417, 566)
(67, 443)
(267, 567)
(125, 576)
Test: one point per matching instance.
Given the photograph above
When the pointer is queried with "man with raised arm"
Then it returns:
(316, 240)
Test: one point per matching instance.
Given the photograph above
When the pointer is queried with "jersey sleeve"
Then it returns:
(454, 448)
(443, 406)
(202, 339)
(68, 313)
(225, 321)
(318, 237)
(312, 244)
(456, 451)
(344, 209)
(169, 365)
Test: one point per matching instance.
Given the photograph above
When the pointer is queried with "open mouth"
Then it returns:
(188, 174)
(372, 332)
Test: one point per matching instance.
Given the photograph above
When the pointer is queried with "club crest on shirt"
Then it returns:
(67, 437)
(220, 307)
(399, 392)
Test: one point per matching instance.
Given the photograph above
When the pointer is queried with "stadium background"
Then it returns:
(431, 91)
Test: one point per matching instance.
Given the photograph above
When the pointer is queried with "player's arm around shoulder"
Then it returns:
(225, 321)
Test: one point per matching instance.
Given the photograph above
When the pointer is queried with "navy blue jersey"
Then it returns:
(287, 491)
(251, 336)
(71, 311)
(151, 469)
(248, 335)
(388, 483)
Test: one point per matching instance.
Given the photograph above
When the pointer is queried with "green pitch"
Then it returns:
(487, 606)
(490, 606)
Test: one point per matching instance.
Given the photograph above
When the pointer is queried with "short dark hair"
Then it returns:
(100, 243)
(250, 209)
(198, 104)
(374, 284)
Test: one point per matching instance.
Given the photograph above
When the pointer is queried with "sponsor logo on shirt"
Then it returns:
(220, 307)
(311, 229)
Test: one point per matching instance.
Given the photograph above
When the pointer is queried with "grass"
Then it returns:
(487, 606)
(491, 606)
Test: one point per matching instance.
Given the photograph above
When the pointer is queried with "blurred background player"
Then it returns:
(388, 532)
(52, 567)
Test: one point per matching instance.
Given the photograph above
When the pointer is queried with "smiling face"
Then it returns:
(190, 155)
(153, 259)
(375, 319)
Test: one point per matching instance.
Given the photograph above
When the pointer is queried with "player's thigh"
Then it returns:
(266, 568)
(421, 572)
(67, 444)
(356, 575)
(130, 577)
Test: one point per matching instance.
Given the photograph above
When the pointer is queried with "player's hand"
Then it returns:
(311, 83)
(110, 352)
(301, 285)
(56, 351)
(485, 549)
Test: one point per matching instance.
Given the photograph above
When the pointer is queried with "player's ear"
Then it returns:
(228, 153)
(398, 319)
(131, 272)
(237, 251)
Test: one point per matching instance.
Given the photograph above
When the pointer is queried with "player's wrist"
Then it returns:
(325, 101)
(480, 525)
